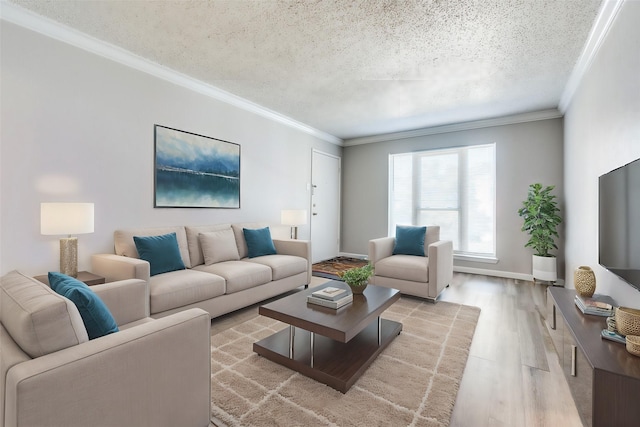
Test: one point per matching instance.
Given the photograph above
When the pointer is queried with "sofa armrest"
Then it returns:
(127, 300)
(301, 248)
(440, 266)
(115, 267)
(157, 373)
(380, 248)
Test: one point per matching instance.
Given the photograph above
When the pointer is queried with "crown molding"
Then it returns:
(606, 15)
(478, 124)
(17, 15)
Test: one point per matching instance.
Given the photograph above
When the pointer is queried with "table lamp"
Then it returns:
(293, 218)
(67, 218)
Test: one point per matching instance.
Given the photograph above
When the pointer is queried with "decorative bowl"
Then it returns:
(633, 344)
(628, 321)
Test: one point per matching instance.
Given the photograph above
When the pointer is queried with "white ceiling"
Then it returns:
(355, 68)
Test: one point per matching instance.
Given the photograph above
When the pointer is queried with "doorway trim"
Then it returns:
(338, 196)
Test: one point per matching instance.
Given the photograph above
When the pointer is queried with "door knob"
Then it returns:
(315, 213)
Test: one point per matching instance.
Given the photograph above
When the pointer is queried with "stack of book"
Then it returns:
(331, 297)
(597, 305)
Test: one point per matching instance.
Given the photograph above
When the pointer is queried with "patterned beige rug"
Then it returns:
(414, 382)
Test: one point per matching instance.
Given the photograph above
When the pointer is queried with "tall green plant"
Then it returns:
(541, 219)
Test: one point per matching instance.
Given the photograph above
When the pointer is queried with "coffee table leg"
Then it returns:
(313, 336)
(292, 333)
(379, 331)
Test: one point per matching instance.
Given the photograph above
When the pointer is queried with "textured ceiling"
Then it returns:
(355, 68)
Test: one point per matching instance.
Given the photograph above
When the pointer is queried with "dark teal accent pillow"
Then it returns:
(161, 252)
(259, 242)
(95, 315)
(409, 240)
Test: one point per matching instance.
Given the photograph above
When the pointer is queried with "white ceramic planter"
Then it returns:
(544, 268)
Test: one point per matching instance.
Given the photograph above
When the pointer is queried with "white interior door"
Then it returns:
(325, 206)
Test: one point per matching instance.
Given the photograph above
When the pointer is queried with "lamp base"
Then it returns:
(69, 256)
(294, 232)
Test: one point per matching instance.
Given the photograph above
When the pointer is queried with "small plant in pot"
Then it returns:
(541, 219)
(357, 278)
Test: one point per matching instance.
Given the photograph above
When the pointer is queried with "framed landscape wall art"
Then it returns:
(195, 171)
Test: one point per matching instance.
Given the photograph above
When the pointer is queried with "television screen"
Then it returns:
(619, 222)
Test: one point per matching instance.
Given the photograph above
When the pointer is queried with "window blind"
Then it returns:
(453, 188)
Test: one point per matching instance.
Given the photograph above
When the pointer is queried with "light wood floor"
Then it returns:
(512, 377)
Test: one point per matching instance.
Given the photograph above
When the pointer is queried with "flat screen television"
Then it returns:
(619, 222)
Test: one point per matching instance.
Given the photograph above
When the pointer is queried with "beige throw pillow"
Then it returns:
(218, 246)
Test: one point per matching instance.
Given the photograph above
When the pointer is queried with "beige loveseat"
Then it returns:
(424, 277)
(218, 288)
(150, 373)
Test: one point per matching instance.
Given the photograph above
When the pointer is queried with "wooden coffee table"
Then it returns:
(334, 347)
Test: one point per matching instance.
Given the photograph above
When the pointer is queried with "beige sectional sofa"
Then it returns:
(149, 373)
(218, 287)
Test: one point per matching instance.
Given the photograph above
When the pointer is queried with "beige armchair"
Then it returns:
(414, 275)
(150, 373)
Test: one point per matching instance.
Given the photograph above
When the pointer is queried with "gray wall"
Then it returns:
(602, 132)
(79, 127)
(525, 153)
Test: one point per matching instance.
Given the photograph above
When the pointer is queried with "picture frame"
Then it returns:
(195, 171)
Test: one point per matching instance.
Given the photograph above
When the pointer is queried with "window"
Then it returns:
(453, 188)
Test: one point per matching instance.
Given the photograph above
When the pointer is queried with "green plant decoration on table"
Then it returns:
(541, 219)
(357, 278)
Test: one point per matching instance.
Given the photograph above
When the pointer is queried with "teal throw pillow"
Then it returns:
(161, 252)
(409, 240)
(95, 315)
(259, 242)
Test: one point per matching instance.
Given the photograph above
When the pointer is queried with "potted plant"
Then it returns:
(357, 278)
(541, 219)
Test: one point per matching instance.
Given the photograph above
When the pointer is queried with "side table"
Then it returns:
(84, 276)
(603, 377)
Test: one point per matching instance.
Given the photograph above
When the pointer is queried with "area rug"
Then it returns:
(413, 382)
(332, 267)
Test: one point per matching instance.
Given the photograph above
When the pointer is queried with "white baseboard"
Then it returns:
(498, 273)
(494, 273)
(359, 256)
(471, 270)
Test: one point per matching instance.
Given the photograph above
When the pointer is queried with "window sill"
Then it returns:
(476, 258)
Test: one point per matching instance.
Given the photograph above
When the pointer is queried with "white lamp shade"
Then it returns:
(293, 217)
(66, 218)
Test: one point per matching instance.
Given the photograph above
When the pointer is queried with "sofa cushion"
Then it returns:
(404, 267)
(239, 275)
(409, 240)
(259, 242)
(161, 252)
(125, 246)
(39, 320)
(95, 315)
(282, 266)
(219, 246)
(240, 242)
(179, 288)
(193, 243)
